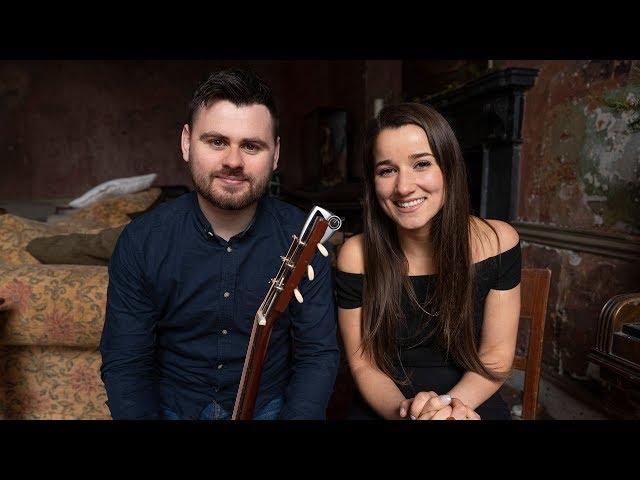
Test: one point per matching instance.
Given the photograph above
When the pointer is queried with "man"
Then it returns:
(186, 279)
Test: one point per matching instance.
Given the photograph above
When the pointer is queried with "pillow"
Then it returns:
(111, 188)
(16, 233)
(91, 248)
(76, 248)
(108, 213)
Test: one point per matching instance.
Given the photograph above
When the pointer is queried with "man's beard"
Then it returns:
(230, 199)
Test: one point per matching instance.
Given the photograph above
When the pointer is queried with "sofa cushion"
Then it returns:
(16, 233)
(51, 383)
(52, 304)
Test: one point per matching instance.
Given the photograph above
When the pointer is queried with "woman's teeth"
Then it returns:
(411, 203)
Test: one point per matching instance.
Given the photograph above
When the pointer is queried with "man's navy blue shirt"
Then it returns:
(180, 308)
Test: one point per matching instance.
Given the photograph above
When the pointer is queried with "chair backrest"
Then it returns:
(534, 292)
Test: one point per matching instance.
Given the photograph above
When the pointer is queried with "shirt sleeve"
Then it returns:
(349, 289)
(509, 269)
(315, 347)
(128, 336)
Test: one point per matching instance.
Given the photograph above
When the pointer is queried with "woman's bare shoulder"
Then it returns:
(490, 237)
(351, 255)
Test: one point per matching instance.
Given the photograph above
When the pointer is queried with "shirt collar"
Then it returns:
(207, 229)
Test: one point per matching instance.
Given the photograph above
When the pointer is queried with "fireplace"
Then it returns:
(486, 115)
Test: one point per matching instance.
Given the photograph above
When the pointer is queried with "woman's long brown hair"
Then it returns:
(386, 266)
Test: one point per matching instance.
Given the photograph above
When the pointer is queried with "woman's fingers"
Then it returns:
(404, 407)
(442, 414)
(419, 403)
(434, 405)
(459, 411)
(431, 406)
(472, 415)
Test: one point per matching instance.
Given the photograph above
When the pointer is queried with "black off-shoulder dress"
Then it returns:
(419, 357)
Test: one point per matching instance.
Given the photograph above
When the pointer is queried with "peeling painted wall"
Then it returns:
(581, 283)
(580, 169)
(581, 147)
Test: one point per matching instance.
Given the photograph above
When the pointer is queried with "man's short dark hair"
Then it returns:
(240, 87)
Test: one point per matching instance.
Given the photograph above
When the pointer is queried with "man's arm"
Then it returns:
(316, 354)
(128, 337)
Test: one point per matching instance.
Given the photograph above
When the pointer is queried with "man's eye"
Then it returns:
(216, 142)
(251, 147)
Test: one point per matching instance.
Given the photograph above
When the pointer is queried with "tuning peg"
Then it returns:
(323, 250)
(310, 272)
(298, 295)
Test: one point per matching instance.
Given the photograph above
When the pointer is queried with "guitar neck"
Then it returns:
(250, 379)
(294, 266)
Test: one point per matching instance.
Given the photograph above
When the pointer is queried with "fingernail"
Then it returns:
(445, 399)
(412, 417)
(403, 412)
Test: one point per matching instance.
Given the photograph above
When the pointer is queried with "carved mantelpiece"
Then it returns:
(486, 115)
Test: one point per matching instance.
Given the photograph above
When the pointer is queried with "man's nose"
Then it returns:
(233, 159)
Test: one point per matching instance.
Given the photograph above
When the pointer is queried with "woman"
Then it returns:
(428, 295)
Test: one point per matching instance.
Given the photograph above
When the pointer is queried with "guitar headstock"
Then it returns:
(318, 228)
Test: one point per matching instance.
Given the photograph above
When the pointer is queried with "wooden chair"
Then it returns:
(534, 292)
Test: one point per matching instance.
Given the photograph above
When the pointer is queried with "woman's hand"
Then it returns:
(460, 411)
(431, 406)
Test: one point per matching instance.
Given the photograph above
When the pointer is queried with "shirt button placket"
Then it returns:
(228, 271)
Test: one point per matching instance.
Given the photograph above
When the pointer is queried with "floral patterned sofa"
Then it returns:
(52, 316)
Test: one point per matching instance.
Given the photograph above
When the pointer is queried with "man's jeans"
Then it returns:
(214, 411)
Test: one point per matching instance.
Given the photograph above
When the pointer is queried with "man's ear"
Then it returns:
(276, 154)
(185, 142)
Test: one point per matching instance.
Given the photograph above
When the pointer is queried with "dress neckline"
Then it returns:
(435, 274)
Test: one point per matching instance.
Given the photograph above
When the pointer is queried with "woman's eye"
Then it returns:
(385, 172)
(423, 164)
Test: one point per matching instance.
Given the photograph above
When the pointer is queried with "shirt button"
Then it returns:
(229, 249)
(210, 234)
(220, 366)
(226, 294)
(224, 332)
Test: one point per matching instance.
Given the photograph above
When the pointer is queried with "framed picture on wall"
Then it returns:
(325, 140)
